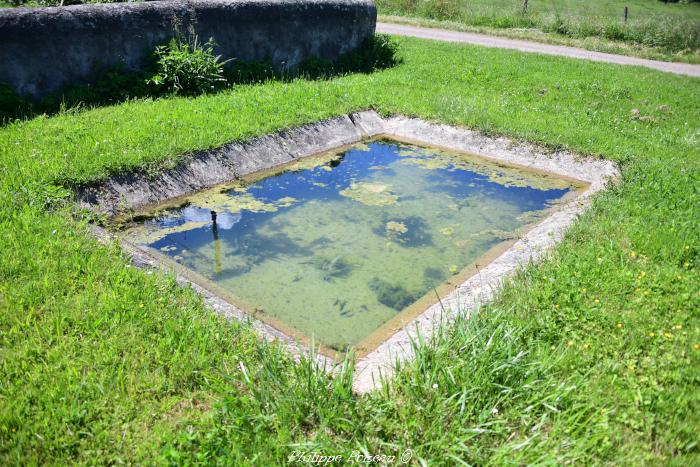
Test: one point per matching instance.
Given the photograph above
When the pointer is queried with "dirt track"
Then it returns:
(535, 47)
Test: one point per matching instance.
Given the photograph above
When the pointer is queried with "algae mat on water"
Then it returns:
(336, 246)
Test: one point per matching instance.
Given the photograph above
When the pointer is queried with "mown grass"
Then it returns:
(593, 43)
(654, 29)
(591, 357)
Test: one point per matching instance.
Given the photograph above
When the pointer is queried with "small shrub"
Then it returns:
(11, 105)
(188, 68)
(377, 52)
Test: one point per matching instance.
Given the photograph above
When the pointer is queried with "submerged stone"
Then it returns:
(370, 193)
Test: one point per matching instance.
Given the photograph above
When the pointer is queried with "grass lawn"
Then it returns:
(654, 29)
(591, 357)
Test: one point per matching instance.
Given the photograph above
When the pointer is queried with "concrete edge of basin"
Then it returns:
(206, 169)
(378, 365)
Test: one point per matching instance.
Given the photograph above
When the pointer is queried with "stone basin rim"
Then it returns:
(136, 192)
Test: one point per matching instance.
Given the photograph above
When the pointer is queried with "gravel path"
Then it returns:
(536, 47)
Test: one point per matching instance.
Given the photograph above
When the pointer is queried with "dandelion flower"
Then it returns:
(619, 325)
(141, 305)
(652, 334)
(570, 343)
(696, 346)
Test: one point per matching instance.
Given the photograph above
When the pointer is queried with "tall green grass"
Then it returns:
(672, 27)
(592, 357)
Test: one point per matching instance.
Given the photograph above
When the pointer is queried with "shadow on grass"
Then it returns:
(119, 85)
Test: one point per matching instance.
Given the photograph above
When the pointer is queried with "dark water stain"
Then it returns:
(433, 276)
(394, 296)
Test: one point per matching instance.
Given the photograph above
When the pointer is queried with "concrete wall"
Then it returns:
(44, 49)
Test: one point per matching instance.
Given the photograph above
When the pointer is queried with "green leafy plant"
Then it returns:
(189, 68)
(377, 52)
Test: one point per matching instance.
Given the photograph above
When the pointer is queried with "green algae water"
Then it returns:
(336, 246)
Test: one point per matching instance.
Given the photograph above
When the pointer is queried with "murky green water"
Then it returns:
(336, 246)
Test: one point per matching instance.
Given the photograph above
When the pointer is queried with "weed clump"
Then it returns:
(188, 67)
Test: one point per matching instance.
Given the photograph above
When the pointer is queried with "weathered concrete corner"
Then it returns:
(231, 162)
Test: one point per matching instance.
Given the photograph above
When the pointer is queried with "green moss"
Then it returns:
(393, 227)
(371, 194)
(503, 175)
(150, 233)
(241, 201)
